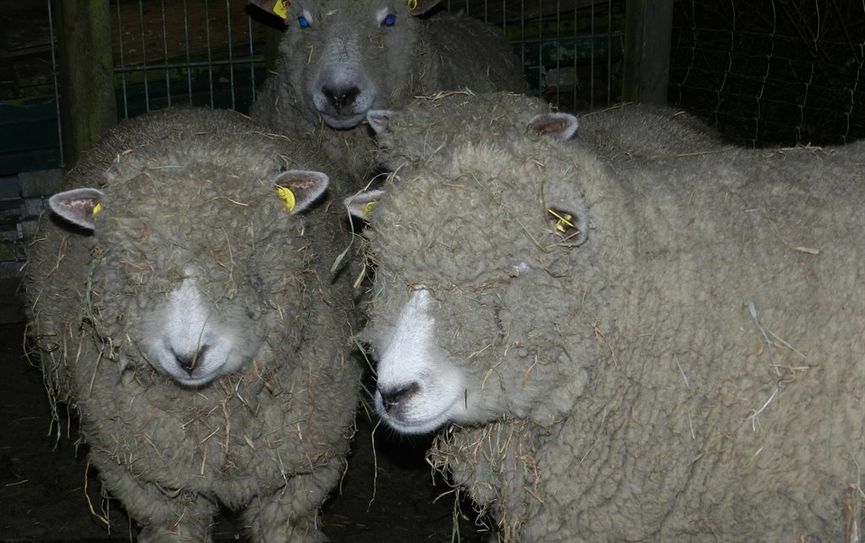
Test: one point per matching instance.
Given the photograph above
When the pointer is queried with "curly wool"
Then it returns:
(192, 189)
(690, 373)
(414, 57)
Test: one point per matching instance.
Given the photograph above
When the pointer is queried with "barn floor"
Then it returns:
(44, 486)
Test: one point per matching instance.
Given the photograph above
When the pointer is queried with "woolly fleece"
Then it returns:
(193, 190)
(692, 372)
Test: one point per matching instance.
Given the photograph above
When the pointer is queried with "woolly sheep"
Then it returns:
(341, 58)
(670, 351)
(183, 309)
(429, 127)
(646, 132)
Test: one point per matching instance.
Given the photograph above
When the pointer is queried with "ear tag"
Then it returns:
(97, 209)
(280, 7)
(564, 221)
(287, 197)
(367, 209)
(412, 4)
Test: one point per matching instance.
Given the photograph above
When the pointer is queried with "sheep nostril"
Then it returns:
(188, 362)
(393, 397)
(339, 98)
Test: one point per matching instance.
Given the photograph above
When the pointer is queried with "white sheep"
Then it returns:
(181, 303)
(341, 58)
(669, 351)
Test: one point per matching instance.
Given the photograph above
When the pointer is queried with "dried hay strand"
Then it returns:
(498, 459)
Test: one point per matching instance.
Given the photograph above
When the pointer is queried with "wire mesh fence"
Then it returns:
(772, 72)
(194, 52)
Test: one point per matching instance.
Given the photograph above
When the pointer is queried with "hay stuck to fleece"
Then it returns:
(190, 211)
(477, 461)
(648, 383)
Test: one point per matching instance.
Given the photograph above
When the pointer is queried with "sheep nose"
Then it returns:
(339, 98)
(392, 398)
(188, 362)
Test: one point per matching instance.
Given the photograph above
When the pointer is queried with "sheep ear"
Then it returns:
(571, 226)
(299, 188)
(361, 204)
(379, 119)
(419, 7)
(559, 125)
(78, 206)
(275, 7)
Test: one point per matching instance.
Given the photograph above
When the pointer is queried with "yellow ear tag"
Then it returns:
(96, 209)
(367, 209)
(563, 222)
(412, 4)
(280, 7)
(287, 197)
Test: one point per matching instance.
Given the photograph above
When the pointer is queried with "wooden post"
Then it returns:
(87, 101)
(648, 32)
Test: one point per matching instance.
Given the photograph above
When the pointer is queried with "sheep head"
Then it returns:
(480, 306)
(345, 57)
(192, 268)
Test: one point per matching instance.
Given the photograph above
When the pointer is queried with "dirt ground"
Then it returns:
(48, 494)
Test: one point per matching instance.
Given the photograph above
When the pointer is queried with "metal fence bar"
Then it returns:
(144, 54)
(188, 61)
(123, 78)
(56, 82)
(230, 52)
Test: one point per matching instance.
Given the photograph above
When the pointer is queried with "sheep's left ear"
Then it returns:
(558, 125)
(299, 188)
(78, 206)
(360, 205)
(419, 7)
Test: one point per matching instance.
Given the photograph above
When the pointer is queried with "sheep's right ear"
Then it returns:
(275, 7)
(299, 188)
(379, 119)
(360, 205)
(78, 206)
(558, 125)
(419, 7)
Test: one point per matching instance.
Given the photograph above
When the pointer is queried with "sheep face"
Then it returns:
(475, 314)
(183, 284)
(345, 57)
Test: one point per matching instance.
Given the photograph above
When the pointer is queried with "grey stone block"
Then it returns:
(40, 183)
(32, 207)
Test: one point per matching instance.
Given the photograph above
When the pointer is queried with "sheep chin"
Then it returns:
(342, 123)
(404, 423)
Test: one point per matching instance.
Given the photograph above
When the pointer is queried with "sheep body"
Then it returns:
(643, 131)
(348, 51)
(664, 351)
(194, 246)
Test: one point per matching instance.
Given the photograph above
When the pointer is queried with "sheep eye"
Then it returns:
(390, 20)
(303, 22)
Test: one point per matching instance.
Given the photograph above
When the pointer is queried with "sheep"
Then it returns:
(341, 58)
(422, 130)
(645, 132)
(180, 302)
(666, 351)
